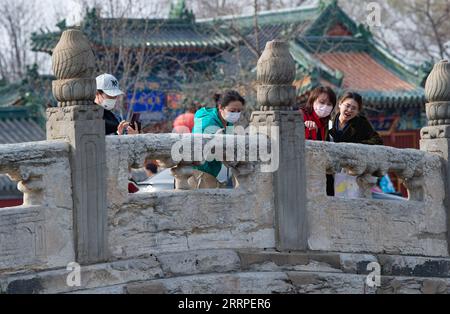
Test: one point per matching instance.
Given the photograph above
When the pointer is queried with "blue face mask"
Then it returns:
(232, 117)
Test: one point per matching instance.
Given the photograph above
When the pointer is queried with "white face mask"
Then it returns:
(109, 104)
(322, 111)
(232, 117)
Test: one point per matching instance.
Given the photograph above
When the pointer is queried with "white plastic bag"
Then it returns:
(346, 186)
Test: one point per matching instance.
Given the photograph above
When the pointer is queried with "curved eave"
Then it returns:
(394, 99)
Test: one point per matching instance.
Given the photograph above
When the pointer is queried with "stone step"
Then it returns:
(295, 282)
(166, 266)
(390, 265)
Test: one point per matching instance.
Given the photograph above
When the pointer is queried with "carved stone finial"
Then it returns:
(73, 64)
(275, 74)
(437, 91)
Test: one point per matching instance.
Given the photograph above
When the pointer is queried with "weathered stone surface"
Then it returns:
(276, 282)
(414, 266)
(275, 74)
(275, 95)
(255, 283)
(37, 235)
(276, 261)
(437, 91)
(356, 263)
(145, 288)
(243, 271)
(329, 283)
(87, 141)
(230, 283)
(440, 146)
(156, 222)
(197, 262)
(405, 285)
(73, 63)
(93, 276)
(371, 226)
(365, 225)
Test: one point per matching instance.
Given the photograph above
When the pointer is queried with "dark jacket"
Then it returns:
(358, 130)
(111, 122)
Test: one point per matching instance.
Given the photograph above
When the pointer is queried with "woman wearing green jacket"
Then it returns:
(210, 121)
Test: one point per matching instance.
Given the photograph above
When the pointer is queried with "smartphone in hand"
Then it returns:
(135, 119)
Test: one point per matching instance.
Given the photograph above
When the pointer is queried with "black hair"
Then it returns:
(352, 95)
(315, 93)
(216, 98)
(151, 167)
(227, 97)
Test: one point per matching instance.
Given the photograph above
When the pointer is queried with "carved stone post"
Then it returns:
(79, 121)
(276, 95)
(435, 138)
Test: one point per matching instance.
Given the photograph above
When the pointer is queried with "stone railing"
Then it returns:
(367, 162)
(177, 220)
(415, 226)
(77, 207)
(37, 234)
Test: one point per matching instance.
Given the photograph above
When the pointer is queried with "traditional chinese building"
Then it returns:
(332, 49)
(162, 53)
(328, 46)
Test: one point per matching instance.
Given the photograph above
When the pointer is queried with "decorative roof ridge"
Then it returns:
(15, 113)
(302, 8)
(147, 20)
(328, 12)
(180, 11)
(310, 58)
(334, 38)
(315, 63)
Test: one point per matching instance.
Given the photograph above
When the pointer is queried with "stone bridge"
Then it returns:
(275, 232)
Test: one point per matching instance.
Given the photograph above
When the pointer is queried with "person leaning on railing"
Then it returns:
(316, 114)
(212, 121)
(349, 126)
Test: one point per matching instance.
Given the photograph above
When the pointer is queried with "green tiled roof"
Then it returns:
(395, 99)
(18, 126)
(305, 27)
(152, 33)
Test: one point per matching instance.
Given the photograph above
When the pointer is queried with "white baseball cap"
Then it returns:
(108, 84)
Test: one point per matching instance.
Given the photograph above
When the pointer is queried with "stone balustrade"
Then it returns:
(37, 234)
(415, 226)
(179, 152)
(367, 162)
(77, 206)
(177, 220)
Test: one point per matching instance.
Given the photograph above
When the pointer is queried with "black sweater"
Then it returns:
(111, 122)
(358, 130)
